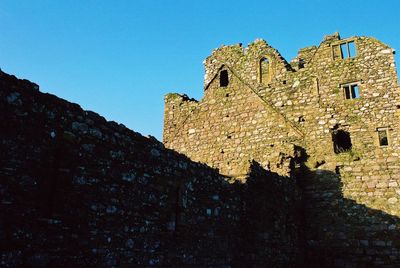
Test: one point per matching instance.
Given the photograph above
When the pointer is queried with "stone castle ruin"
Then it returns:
(339, 101)
(278, 165)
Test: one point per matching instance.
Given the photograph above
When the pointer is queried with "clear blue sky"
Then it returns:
(119, 58)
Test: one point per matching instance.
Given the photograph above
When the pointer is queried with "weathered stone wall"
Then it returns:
(78, 191)
(303, 105)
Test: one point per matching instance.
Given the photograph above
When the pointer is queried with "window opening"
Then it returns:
(344, 50)
(301, 63)
(223, 78)
(217, 211)
(338, 169)
(383, 137)
(265, 73)
(341, 141)
(352, 49)
(351, 91)
(209, 211)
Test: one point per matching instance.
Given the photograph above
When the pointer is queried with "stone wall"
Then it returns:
(78, 191)
(304, 104)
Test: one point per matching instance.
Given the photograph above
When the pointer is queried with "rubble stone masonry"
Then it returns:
(340, 103)
(78, 191)
(280, 164)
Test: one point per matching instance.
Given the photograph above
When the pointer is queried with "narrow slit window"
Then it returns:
(344, 51)
(223, 78)
(265, 76)
(352, 49)
(209, 211)
(383, 137)
(347, 92)
(354, 92)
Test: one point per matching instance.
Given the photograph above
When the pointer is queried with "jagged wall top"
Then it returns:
(244, 60)
(342, 97)
(301, 102)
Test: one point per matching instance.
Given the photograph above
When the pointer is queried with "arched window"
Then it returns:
(264, 72)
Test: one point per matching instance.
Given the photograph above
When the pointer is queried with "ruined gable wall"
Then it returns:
(245, 61)
(231, 125)
(228, 129)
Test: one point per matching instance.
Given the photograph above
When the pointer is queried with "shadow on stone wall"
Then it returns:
(78, 191)
(270, 222)
(324, 229)
(338, 232)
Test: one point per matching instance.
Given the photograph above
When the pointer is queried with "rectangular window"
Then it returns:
(223, 78)
(383, 136)
(352, 49)
(350, 91)
(344, 50)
